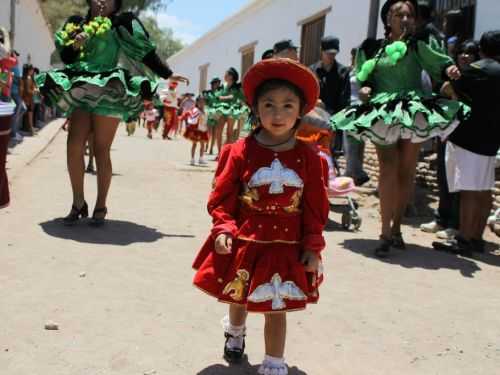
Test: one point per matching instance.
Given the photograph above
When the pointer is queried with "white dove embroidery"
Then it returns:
(277, 291)
(277, 176)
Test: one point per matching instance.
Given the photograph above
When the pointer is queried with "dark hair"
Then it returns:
(425, 12)
(271, 85)
(410, 3)
(233, 73)
(454, 21)
(471, 47)
(118, 5)
(490, 44)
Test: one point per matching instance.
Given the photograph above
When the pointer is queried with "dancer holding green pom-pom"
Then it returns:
(104, 81)
(396, 114)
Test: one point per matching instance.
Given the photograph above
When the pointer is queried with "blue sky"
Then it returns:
(190, 19)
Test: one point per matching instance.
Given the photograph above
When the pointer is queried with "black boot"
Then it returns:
(384, 248)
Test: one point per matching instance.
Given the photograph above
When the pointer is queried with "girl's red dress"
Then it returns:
(196, 125)
(275, 206)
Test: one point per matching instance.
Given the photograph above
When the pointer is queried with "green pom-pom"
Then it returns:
(396, 51)
(366, 69)
(64, 35)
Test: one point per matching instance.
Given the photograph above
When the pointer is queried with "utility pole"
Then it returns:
(373, 18)
(12, 22)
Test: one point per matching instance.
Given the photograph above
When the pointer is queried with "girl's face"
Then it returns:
(228, 78)
(278, 111)
(200, 103)
(401, 20)
(464, 59)
(103, 7)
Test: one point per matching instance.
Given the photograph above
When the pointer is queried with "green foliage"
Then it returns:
(166, 43)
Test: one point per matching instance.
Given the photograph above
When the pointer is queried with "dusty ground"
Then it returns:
(123, 300)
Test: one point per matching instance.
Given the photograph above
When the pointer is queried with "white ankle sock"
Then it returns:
(273, 366)
(238, 333)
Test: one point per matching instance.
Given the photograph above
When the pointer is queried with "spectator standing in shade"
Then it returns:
(335, 86)
(16, 94)
(354, 149)
(472, 148)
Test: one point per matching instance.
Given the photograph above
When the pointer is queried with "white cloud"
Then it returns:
(183, 29)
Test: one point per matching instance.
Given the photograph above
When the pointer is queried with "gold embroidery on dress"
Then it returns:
(294, 203)
(249, 197)
(236, 288)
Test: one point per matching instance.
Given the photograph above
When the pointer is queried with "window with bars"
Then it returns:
(312, 32)
(468, 8)
(247, 59)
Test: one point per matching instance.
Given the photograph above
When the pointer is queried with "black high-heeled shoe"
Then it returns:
(99, 221)
(76, 214)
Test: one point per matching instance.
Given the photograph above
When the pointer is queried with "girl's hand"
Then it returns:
(223, 244)
(80, 40)
(453, 72)
(365, 94)
(310, 260)
(178, 78)
(447, 90)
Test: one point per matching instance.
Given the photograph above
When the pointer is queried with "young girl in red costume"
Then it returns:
(269, 207)
(170, 118)
(197, 129)
(151, 115)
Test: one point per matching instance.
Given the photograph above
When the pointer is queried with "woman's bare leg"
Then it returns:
(219, 128)
(104, 134)
(229, 130)
(78, 134)
(408, 157)
(388, 157)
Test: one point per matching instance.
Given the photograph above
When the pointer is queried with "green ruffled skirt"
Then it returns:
(112, 93)
(231, 110)
(389, 117)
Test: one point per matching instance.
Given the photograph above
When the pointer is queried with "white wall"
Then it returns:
(267, 22)
(487, 16)
(33, 35)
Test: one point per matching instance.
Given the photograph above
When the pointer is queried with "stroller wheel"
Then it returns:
(346, 220)
(356, 222)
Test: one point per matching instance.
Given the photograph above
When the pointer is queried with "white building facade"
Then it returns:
(240, 40)
(33, 38)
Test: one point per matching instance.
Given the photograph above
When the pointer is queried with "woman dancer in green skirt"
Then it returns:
(104, 81)
(396, 114)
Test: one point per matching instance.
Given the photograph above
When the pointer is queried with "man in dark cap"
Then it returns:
(426, 30)
(335, 88)
(268, 54)
(286, 48)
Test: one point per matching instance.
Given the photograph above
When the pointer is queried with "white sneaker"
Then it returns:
(192, 162)
(19, 137)
(202, 162)
(432, 227)
(447, 234)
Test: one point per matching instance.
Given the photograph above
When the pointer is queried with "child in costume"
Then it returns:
(104, 80)
(229, 107)
(396, 114)
(169, 98)
(196, 129)
(269, 206)
(211, 99)
(151, 114)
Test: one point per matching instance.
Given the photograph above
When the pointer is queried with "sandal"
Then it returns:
(99, 221)
(76, 214)
(384, 247)
(398, 242)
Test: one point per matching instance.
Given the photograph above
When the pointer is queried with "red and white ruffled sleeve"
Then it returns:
(315, 206)
(223, 202)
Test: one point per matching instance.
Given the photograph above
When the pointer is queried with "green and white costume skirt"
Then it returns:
(389, 117)
(113, 93)
(230, 110)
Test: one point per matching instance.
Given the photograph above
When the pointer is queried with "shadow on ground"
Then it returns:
(417, 256)
(244, 368)
(114, 232)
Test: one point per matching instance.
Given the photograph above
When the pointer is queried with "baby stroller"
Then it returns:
(315, 130)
